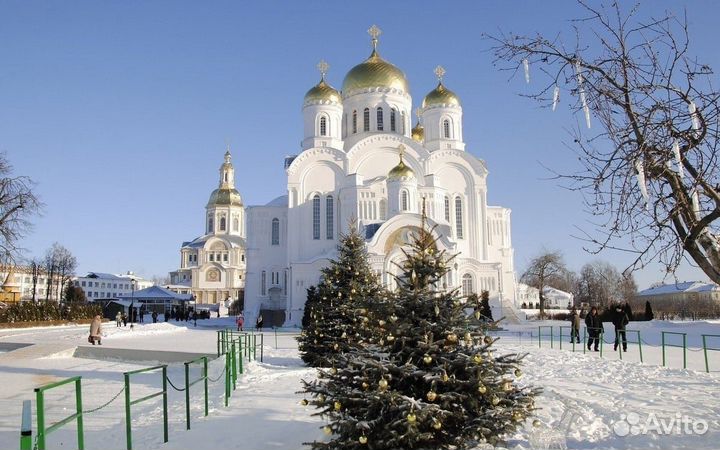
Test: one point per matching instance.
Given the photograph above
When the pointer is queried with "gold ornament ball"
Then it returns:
(495, 401)
(365, 385)
(431, 396)
(383, 384)
(427, 359)
(333, 371)
(436, 424)
(445, 377)
(352, 291)
(477, 315)
(393, 318)
(382, 322)
(507, 386)
(477, 358)
(411, 418)
(488, 340)
(362, 440)
(337, 406)
(321, 398)
(390, 338)
(517, 417)
(482, 389)
(452, 337)
(536, 423)
(304, 402)
(327, 430)
(518, 372)
(336, 346)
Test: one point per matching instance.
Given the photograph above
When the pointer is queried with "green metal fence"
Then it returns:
(188, 383)
(683, 346)
(600, 337)
(541, 335)
(42, 429)
(570, 335)
(627, 339)
(26, 426)
(129, 402)
(706, 348)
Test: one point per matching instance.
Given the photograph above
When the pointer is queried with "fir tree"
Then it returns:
(338, 305)
(429, 379)
(648, 311)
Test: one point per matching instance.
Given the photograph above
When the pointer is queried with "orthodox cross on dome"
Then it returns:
(323, 68)
(374, 31)
(439, 73)
(401, 149)
(418, 111)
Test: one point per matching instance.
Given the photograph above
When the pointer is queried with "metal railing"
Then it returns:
(42, 430)
(129, 402)
(601, 332)
(26, 426)
(571, 335)
(189, 383)
(541, 335)
(706, 348)
(683, 346)
(621, 346)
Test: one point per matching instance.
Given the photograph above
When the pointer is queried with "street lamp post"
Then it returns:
(132, 303)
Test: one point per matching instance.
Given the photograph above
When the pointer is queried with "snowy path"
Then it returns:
(583, 396)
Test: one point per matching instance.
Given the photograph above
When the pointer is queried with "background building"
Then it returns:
(99, 285)
(20, 280)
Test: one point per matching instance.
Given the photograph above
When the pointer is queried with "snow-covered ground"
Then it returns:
(587, 402)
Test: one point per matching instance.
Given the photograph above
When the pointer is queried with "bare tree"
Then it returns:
(17, 204)
(601, 284)
(66, 266)
(651, 171)
(36, 267)
(544, 270)
(50, 263)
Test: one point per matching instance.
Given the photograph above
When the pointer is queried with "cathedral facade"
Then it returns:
(363, 160)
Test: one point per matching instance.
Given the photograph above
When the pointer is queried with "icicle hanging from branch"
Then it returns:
(640, 174)
(586, 109)
(581, 89)
(678, 159)
(692, 109)
(526, 67)
(556, 97)
(695, 202)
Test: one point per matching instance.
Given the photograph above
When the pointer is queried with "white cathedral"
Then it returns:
(361, 159)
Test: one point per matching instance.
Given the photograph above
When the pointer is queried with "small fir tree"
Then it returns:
(74, 294)
(339, 303)
(429, 379)
(649, 315)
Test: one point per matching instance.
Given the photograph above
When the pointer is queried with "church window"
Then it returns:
(275, 240)
(236, 224)
(242, 258)
(366, 119)
(316, 216)
(392, 120)
(211, 227)
(447, 208)
(226, 177)
(446, 129)
(212, 257)
(263, 283)
(222, 224)
(285, 274)
(354, 120)
(323, 126)
(467, 284)
(380, 119)
(402, 122)
(225, 257)
(383, 209)
(458, 218)
(329, 217)
(404, 200)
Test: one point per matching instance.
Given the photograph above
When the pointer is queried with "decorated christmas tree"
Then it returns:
(429, 379)
(338, 305)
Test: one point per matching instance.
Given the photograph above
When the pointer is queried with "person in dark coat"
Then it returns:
(620, 320)
(259, 322)
(594, 328)
(194, 318)
(574, 325)
(154, 316)
(124, 319)
(628, 311)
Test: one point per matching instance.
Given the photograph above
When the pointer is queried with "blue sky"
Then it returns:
(120, 110)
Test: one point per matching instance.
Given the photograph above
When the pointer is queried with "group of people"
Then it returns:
(240, 321)
(620, 316)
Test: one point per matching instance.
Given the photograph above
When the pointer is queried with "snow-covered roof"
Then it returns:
(159, 293)
(234, 241)
(103, 276)
(279, 201)
(676, 288)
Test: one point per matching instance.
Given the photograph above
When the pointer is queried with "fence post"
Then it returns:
(684, 351)
(240, 355)
(234, 366)
(165, 404)
(602, 340)
(640, 346)
(584, 339)
(617, 341)
(128, 420)
(227, 378)
(40, 404)
(26, 426)
(78, 406)
(262, 344)
(276, 344)
(218, 342)
(187, 395)
(254, 347)
(707, 366)
(663, 347)
(205, 371)
(539, 337)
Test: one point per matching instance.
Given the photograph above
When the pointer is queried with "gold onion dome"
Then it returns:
(401, 170)
(375, 72)
(441, 96)
(323, 92)
(418, 133)
(225, 197)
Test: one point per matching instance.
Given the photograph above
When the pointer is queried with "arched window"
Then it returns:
(366, 119)
(402, 122)
(354, 119)
(222, 224)
(236, 224)
(383, 209)
(316, 216)
(380, 119)
(263, 283)
(393, 125)
(404, 200)
(329, 217)
(275, 238)
(458, 218)
(447, 209)
(467, 284)
(446, 129)
(323, 126)
(211, 225)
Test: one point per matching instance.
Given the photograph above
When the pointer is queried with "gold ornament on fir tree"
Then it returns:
(495, 401)
(452, 338)
(436, 424)
(336, 346)
(337, 406)
(517, 417)
(411, 418)
(518, 373)
(437, 310)
(352, 291)
(488, 340)
(481, 388)
(381, 322)
(477, 315)
(321, 398)
(445, 377)
(536, 423)
(363, 440)
(468, 339)
(382, 384)
(365, 385)
(507, 386)
(304, 402)
(477, 358)
(344, 335)
(431, 396)
(327, 430)
(390, 338)
(427, 359)
(393, 318)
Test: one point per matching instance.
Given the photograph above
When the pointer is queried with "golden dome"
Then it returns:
(418, 132)
(323, 92)
(375, 72)
(441, 96)
(225, 197)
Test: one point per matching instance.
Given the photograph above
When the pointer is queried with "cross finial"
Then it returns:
(323, 68)
(439, 73)
(374, 32)
(401, 148)
(418, 112)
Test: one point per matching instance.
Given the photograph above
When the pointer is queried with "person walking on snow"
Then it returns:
(574, 325)
(118, 319)
(259, 322)
(240, 321)
(154, 316)
(594, 328)
(620, 320)
(96, 330)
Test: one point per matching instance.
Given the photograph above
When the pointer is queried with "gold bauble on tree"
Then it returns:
(477, 358)
(431, 396)
(382, 384)
(363, 440)
(337, 406)
(482, 389)
(427, 359)
(411, 418)
(495, 401)
(304, 402)
(436, 424)
(327, 430)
